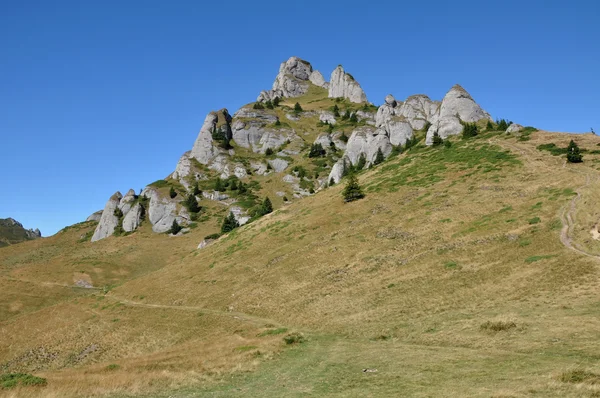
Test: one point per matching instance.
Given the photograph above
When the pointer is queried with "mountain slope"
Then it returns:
(449, 279)
(12, 231)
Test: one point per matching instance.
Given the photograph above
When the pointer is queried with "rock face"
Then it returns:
(108, 220)
(418, 110)
(456, 106)
(343, 85)
(133, 218)
(293, 80)
(204, 149)
(94, 216)
(162, 211)
(278, 164)
(126, 201)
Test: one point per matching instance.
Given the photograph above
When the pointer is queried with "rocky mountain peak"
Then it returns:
(12, 231)
(343, 85)
(293, 80)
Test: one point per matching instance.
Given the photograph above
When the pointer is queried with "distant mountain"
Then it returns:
(12, 231)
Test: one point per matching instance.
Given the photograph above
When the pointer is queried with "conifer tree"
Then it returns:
(336, 111)
(379, 158)
(574, 153)
(489, 126)
(175, 228)
(297, 108)
(362, 161)
(196, 190)
(191, 203)
(437, 140)
(267, 206)
(172, 193)
(218, 185)
(352, 190)
(353, 118)
(229, 223)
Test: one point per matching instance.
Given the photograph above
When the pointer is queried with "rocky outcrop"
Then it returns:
(204, 149)
(337, 171)
(327, 117)
(343, 85)
(367, 141)
(457, 106)
(388, 118)
(317, 79)
(418, 110)
(239, 214)
(133, 218)
(161, 211)
(278, 164)
(514, 128)
(293, 80)
(108, 220)
(94, 216)
(205, 242)
(126, 201)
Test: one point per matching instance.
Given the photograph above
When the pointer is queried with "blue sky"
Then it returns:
(97, 97)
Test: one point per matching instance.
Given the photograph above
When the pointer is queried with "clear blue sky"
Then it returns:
(100, 96)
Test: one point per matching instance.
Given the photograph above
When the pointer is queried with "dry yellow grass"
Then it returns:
(402, 281)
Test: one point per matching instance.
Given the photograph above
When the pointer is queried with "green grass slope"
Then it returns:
(465, 271)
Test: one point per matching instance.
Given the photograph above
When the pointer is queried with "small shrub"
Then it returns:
(277, 122)
(276, 101)
(269, 152)
(498, 326)
(113, 366)
(172, 193)
(213, 236)
(294, 338)
(316, 150)
(447, 143)
(437, 140)
(353, 118)
(258, 105)
(360, 164)
(489, 126)
(502, 124)
(11, 380)
(576, 376)
(285, 199)
(297, 108)
(534, 220)
(272, 332)
(344, 138)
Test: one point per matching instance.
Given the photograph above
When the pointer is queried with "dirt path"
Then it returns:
(567, 214)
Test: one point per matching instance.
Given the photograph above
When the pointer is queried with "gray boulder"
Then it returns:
(367, 141)
(337, 171)
(327, 117)
(418, 110)
(94, 216)
(390, 100)
(239, 214)
(278, 164)
(133, 218)
(456, 106)
(514, 128)
(108, 220)
(343, 85)
(205, 243)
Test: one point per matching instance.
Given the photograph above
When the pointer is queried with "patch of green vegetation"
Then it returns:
(505, 209)
(451, 265)
(11, 380)
(432, 165)
(294, 338)
(245, 348)
(273, 332)
(534, 220)
(552, 148)
(160, 184)
(113, 366)
(533, 259)
(524, 242)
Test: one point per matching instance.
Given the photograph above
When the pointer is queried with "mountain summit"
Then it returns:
(263, 147)
(12, 231)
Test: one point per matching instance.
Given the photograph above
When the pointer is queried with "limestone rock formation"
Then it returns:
(293, 80)
(161, 211)
(108, 220)
(343, 85)
(205, 242)
(367, 141)
(12, 232)
(204, 149)
(94, 216)
(514, 128)
(456, 106)
(418, 110)
(126, 202)
(278, 164)
(388, 118)
(133, 218)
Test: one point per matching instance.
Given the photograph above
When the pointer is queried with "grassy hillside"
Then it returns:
(465, 271)
(12, 232)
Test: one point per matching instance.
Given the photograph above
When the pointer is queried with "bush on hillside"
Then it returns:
(352, 191)
(574, 153)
